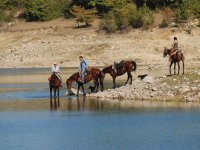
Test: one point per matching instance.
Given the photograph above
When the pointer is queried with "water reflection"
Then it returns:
(54, 103)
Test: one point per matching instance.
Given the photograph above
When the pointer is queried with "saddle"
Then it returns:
(119, 65)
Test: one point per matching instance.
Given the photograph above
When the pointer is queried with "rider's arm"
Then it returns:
(58, 70)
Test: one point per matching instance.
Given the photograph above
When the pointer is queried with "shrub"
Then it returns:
(123, 15)
(1, 17)
(43, 10)
(142, 18)
(83, 15)
(164, 24)
(109, 24)
(11, 4)
(68, 9)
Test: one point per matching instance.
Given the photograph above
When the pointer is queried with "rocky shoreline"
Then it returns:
(166, 88)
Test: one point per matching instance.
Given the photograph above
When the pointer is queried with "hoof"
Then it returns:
(84, 94)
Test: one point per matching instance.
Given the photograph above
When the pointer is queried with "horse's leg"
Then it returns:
(83, 89)
(97, 88)
(50, 91)
(114, 84)
(174, 68)
(183, 66)
(178, 67)
(130, 76)
(127, 78)
(58, 92)
(54, 92)
(170, 68)
(102, 88)
(78, 89)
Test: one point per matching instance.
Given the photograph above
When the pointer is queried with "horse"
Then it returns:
(55, 84)
(93, 74)
(127, 66)
(176, 57)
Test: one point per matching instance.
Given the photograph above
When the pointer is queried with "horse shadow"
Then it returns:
(54, 103)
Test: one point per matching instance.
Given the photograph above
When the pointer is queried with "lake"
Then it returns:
(30, 120)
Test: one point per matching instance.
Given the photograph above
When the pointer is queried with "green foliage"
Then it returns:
(67, 9)
(109, 24)
(2, 16)
(43, 10)
(83, 16)
(10, 4)
(142, 18)
(126, 14)
(188, 9)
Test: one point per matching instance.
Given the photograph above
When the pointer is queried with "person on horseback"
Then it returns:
(55, 69)
(83, 68)
(174, 47)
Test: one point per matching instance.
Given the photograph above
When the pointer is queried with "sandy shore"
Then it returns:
(41, 44)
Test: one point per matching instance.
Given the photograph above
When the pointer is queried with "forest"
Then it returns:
(114, 14)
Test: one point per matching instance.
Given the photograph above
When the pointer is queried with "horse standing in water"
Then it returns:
(176, 57)
(93, 74)
(54, 84)
(127, 66)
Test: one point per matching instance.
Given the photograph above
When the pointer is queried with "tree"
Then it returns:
(43, 10)
(83, 15)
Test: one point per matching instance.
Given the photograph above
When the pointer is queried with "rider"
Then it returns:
(83, 68)
(56, 69)
(175, 47)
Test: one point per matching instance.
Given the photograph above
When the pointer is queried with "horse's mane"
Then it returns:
(72, 76)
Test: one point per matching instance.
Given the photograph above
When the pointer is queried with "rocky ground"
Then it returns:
(41, 44)
(167, 88)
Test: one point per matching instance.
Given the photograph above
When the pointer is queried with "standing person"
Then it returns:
(56, 69)
(83, 68)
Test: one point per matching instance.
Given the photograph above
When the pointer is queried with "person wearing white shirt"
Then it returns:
(56, 69)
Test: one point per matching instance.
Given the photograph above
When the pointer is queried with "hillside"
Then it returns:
(41, 44)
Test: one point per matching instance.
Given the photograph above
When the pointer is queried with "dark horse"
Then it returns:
(54, 84)
(176, 57)
(127, 66)
(93, 74)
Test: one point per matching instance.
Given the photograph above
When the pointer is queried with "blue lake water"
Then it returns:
(29, 120)
(86, 130)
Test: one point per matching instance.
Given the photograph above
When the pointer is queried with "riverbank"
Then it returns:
(185, 88)
(26, 45)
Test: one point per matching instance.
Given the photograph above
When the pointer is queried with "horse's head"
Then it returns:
(69, 84)
(166, 52)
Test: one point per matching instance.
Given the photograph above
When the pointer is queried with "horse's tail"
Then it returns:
(134, 65)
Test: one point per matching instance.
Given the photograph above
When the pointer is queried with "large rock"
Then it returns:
(149, 79)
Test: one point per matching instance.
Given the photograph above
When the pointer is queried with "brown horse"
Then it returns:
(176, 57)
(93, 74)
(127, 66)
(54, 84)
